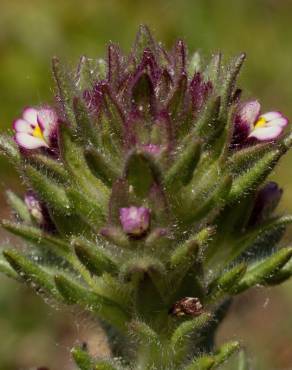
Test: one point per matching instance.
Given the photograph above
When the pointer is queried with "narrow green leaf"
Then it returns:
(225, 352)
(258, 234)
(202, 363)
(86, 207)
(85, 125)
(9, 148)
(262, 270)
(66, 89)
(182, 170)
(116, 236)
(229, 81)
(101, 167)
(144, 40)
(243, 363)
(95, 258)
(206, 125)
(106, 309)
(226, 281)
(18, 206)
(213, 69)
(6, 269)
(31, 272)
(143, 333)
(49, 191)
(249, 180)
(181, 336)
(194, 64)
(37, 236)
(104, 365)
(49, 167)
(82, 359)
(141, 172)
(75, 163)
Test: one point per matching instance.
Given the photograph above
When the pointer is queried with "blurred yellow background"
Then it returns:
(31, 32)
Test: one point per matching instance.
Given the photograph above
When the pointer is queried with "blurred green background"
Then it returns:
(31, 32)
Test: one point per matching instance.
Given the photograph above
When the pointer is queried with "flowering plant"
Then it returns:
(147, 202)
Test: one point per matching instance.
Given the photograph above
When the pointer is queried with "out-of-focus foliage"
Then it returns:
(32, 31)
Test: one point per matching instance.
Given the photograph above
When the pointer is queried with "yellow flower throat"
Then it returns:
(260, 122)
(37, 132)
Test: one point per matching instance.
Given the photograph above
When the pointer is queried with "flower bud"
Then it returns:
(135, 220)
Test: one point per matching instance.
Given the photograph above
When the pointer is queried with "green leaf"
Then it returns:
(225, 352)
(9, 148)
(243, 363)
(141, 172)
(87, 208)
(256, 174)
(229, 82)
(213, 69)
(31, 272)
(89, 71)
(181, 172)
(143, 333)
(106, 309)
(194, 64)
(116, 236)
(6, 269)
(226, 281)
(86, 127)
(202, 363)
(49, 191)
(37, 236)
(104, 365)
(260, 235)
(144, 40)
(180, 339)
(206, 125)
(93, 257)
(107, 171)
(50, 167)
(82, 359)
(262, 270)
(66, 90)
(75, 163)
(18, 206)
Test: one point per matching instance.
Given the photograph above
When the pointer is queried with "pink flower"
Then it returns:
(36, 128)
(135, 220)
(250, 123)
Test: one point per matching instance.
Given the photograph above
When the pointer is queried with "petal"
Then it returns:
(249, 111)
(20, 125)
(48, 120)
(27, 141)
(266, 133)
(30, 115)
(269, 116)
(281, 122)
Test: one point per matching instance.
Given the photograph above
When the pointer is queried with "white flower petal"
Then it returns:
(20, 125)
(266, 133)
(30, 115)
(48, 120)
(249, 111)
(281, 122)
(27, 141)
(269, 116)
